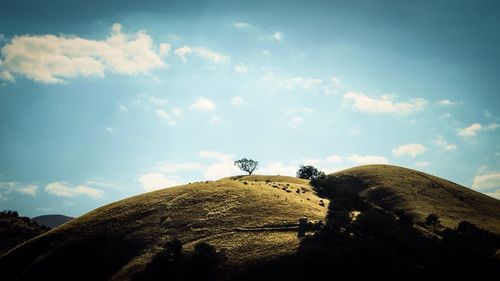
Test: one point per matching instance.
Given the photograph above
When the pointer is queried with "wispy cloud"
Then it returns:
(64, 189)
(201, 52)
(240, 68)
(383, 105)
(155, 181)
(488, 183)
(367, 159)
(203, 104)
(411, 150)
(237, 100)
(473, 129)
(447, 102)
(7, 188)
(52, 59)
(291, 83)
(242, 25)
(422, 164)
(441, 142)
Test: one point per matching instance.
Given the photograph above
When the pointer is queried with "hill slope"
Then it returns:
(51, 220)
(121, 238)
(243, 216)
(398, 189)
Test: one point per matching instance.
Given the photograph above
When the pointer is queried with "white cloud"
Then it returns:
(110, 130)
(446, 102)
(295, 122)
(334, 159)
(177, 112)
(242, 25)
(201, 52)
(215, 119)
(473, 129)
(411, 150)
(174, 37)
(172, 167)
(163, 114)
(490, 127)
(423, 164)
(291, 83)
(278, 168)
(441, 142)
(278, 36)
(470, 131)
(222, 165)
(155, 181)
(445, 116)
(266, 52)
(215, 155)
(5, 75)
(486, 182)
(122, 108)
(494, 194)
(236, 100)
(384, 104)
(64, 189)
(164, 49)
(6, 188)
(240, 68)
(158, 101)
(51, 59)
(203, 104)
(367, 159)
(333, 87)
(489, 184)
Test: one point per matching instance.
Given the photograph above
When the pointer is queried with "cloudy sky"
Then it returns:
(101, 101)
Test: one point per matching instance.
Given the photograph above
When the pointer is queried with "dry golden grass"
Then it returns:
(208, 211)
(420, 194)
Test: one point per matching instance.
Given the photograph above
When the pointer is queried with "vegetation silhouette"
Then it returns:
(309, 172)
(247, 165)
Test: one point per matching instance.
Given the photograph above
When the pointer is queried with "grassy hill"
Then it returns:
(399, 189)
(245, 217)
(125, 235)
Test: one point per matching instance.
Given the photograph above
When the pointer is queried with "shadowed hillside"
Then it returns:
(402, 190)
(120, 239)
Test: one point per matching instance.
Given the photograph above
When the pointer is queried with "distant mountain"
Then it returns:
(252, 222)
(51, 220)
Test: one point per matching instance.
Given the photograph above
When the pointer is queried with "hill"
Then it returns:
(401, 190)
(120, 239)
(15, 229)
(252, 221)
(51, 220)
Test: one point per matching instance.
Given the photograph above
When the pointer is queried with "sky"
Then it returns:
(102, 101)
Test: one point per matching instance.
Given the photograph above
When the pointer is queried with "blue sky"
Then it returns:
(99, 102)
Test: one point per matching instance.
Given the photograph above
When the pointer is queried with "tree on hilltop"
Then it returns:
(309, 172)
(247, 165)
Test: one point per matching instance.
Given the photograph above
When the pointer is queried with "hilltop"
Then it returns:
(120, 239)
(402, 190)
(252, 220)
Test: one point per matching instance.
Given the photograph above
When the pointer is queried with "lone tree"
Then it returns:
(247, 165)
(309, 173)
(432, 220)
